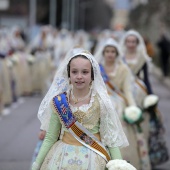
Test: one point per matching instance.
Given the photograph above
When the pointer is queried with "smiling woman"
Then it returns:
(81, 109)
(81, 75)
(118, 80)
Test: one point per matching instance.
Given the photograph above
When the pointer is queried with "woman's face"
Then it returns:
(131, 43)
(110, 54)
(80, 73)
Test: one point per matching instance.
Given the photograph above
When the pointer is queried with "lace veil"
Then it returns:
(141, 48)
(111, 131)
(108, 42)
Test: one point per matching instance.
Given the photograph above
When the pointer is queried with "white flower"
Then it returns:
(15, 58)
(150, 100)
(133, 113)
(119, 164)
(31, 59)
(9, 63)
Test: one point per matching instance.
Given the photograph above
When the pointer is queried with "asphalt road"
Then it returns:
(18, 135)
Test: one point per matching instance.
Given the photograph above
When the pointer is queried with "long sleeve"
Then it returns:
(50, 139)
(146, 78)
(115, 153)
(127, 87)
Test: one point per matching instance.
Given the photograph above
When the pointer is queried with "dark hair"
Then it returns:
(79, 56)
(137, 40)
(113, 47)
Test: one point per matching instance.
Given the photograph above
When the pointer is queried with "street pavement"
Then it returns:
(18, 135)
(19, 129)
(161, 87)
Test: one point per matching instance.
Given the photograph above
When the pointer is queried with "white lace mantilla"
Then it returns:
(111, 131)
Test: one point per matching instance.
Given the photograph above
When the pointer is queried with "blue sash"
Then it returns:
(85, 137)
(139, 82)
(64, 110)
(103, 73)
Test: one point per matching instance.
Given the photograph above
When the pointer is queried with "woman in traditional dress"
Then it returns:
(119, 79)
(135, 55)
(80, 107)
(5, 65)
(41, 47)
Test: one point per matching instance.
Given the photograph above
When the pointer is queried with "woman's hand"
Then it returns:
(42, 134)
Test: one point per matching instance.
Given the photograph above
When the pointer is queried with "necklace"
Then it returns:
(77, 100)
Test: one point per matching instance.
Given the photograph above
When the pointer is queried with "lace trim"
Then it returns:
(35, 166)
(91, 117)
(132, 60)
(110, 137)
(44, 125)
(84, 107)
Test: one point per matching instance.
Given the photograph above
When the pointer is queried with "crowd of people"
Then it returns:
(28, 68)
(100, 83)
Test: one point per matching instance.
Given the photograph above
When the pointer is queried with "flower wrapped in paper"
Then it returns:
(118, 164)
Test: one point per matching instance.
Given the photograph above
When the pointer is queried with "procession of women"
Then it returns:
(98, 110)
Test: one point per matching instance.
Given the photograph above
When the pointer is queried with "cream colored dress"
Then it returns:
(16, 75)
(21, 73)
(122, 79)
(135, 65)
(42, 69)
(58, 155)
(6, 82)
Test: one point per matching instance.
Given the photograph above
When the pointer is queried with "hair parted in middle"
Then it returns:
(80, 56)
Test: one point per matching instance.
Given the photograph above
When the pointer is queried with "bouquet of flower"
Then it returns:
(15, 59)
(150, 105)
(31, 59)
(150, 101)
(9, 63)
(119, 164)
(133, 115)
